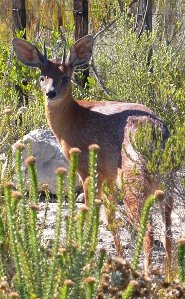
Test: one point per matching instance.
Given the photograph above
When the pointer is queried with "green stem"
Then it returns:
(90, 284)
(23, 214)
(80, 225)
(14, 242)
(92, 192)
(181, 259)
(64, 291)
(61, 197)
(34, 242)
(129, 292)
(74, 153)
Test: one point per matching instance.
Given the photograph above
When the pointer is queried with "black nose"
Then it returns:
(51, 94)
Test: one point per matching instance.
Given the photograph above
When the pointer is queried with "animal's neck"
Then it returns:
(60, 116)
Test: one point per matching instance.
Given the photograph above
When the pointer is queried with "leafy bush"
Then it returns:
(21, 104)
(128, 72)
(123, 63)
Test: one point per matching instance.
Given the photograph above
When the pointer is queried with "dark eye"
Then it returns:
(65, 79)
(41, 78)
(42, 81)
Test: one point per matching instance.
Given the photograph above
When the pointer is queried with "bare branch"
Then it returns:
(120, 5)
(134, 1)
(106, 28)
(100, 81)
(137, 18)
(144, 17)
(111, 23)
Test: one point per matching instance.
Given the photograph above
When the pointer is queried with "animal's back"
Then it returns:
(112, 107)
(109, 124)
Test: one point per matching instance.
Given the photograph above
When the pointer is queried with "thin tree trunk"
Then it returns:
(81, 29)
(120, 3)
(148, 24)
(60, 19)
(19, 16)
(146, 13)
(19, 24)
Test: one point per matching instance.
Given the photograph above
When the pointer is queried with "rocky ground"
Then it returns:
(127, 235)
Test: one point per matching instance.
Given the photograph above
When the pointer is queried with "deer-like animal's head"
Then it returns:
(55, 79)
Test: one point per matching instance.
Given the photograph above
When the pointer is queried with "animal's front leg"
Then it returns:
(166, 208)
(85, 183)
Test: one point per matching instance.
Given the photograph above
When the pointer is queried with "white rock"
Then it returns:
(48, 157)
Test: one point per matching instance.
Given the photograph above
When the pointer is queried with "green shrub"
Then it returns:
(123, 65)
(72, 265)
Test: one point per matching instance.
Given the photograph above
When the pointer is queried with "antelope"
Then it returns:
(107, 124)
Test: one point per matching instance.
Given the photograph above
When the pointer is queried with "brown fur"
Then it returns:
(110, 129)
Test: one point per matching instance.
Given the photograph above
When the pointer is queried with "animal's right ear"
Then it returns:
(27, 53)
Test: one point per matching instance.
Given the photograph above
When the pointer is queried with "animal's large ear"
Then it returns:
(27, 53)
(81, 51)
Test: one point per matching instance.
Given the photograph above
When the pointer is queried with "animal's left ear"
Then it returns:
(81, 51)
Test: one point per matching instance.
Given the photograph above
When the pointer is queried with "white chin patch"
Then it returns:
(53, 101)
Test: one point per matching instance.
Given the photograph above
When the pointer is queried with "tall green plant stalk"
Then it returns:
(93, 214)
(128, 293)
(46, 207)
(97, 206)
(30, 163)
(101, 260)
(21, 284)
(18, 166)
(73, 258)
(20, 183)
(74, 153)
(82, 244)
(3, 250)
(34, 240)
(1, 167)
(93, 161)
(64, 291)
(158, 195)
(181, 259)
(90, 284)
(60, 172)
(80, 225)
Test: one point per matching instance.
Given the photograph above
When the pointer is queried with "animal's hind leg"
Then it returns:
(167, 207)
(148, 246)
(136, 188)
(133, 210)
